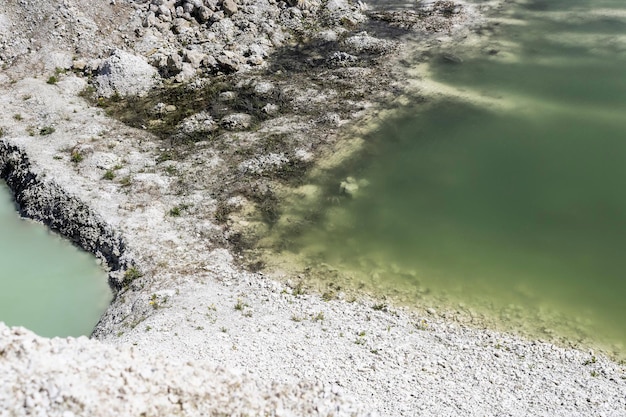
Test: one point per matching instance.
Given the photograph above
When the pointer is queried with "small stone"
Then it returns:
(230, 7)
(270, 109)
(236, 121)
(228, 62)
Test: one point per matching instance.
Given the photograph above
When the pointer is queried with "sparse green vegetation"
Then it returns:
(109, 175)
(329, 295)
(240, 305)
(318, 317)
(380, 307)
(46, 130)
(125, 181)
(590, 361)
(52, 80)
(298, 289)
(130, 275)
(17, 117)
(2, 131)
(76, 157)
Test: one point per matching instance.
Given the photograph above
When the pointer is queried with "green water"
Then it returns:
(515, 211)
(46, 284)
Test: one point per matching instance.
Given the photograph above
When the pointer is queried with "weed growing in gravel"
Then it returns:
(380, 307)
(46, 130)
(240, 305)
(175, 212)
(109, 175)
(52, 80)
(130, 275)
(590, 361)
(126, 181)
(18, 117)
(295, 318)
(318, 317)
(298, 289)
(421, 324)
(76, 157)
(2, 132)
(329, 295)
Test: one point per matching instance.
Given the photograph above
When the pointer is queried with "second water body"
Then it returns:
(46, 284)
(511, 211)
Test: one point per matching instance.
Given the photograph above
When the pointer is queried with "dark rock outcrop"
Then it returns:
(46, 202)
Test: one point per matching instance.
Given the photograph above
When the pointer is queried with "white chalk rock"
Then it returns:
(125, 74)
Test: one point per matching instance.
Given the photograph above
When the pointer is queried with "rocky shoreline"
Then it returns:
(200, 117)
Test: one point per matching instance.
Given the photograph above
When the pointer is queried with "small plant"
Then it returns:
(148, 328)
(422, 324)
(223, 329)
(594, 374)
(359, 341)
(380, 307)
(590, 361)
(52, 80)
(361, 333)
(175, 212)
(109, 175)
(18, 117)
(329, 295)
(2, 132)
(26, 97)
(76, 157)
(130, 275)
(154, 302)
(318, 317)
(46, 130)
(298, 289)
(295, 318)
(125, 182)
(239, 306)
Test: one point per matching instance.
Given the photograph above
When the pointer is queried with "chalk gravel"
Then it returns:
(196, 336)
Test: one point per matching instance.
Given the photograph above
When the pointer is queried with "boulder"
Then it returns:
(125, 74)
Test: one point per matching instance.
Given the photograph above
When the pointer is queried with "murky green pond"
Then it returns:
(516, 210)
(46, 284)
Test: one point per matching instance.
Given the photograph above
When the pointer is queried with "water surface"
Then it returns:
(516, 211)
(46, 284)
